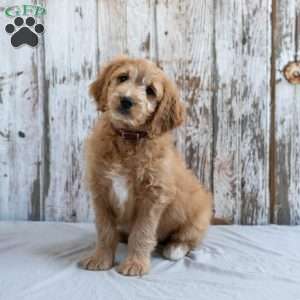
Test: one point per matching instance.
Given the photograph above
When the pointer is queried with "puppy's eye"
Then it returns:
(123, 78)
(150, 91)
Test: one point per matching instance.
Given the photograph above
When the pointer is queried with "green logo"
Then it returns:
(25, 10)
(24, 29)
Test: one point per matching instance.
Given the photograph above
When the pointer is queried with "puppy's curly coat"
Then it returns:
(138, 181)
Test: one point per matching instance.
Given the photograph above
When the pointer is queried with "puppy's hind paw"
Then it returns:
(175, 251)
(95, 262)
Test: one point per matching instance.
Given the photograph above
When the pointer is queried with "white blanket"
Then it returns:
(39, 261)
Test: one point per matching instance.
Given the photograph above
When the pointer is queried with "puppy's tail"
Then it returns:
(220, 221)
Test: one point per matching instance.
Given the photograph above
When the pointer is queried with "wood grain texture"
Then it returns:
(185, 52)
(112, 29)
(170, 48)
(287, 115)
(132, 34)
(71, 62)
(241, 110)
(141, 29)
(20, 128)
(198, 88)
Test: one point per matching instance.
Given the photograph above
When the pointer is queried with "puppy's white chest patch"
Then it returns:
(120, 188)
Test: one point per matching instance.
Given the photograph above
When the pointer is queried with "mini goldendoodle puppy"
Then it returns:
(138, 181)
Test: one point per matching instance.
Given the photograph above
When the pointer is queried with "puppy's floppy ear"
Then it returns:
(98, 89)
(170, 112)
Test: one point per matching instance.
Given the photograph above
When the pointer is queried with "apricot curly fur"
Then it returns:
(165, 202)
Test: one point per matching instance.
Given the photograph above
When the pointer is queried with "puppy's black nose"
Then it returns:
(126, 103)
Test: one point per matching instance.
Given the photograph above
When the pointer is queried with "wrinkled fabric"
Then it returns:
(38, 260)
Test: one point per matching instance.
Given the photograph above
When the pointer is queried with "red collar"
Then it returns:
(130, 135)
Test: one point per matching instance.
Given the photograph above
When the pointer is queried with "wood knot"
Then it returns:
(292, 72)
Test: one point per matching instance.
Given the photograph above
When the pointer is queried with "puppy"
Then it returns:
(139, 183)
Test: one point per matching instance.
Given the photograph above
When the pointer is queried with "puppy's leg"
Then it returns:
(107, 238)
(181, 242)
(142, 238)
(187, 237)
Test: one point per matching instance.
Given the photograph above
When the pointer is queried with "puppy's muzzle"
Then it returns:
(125, 104)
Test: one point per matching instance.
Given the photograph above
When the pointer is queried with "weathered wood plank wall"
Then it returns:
(20, 129)
(287, 115)
(242, 135)
(70, 64)
(241, 106)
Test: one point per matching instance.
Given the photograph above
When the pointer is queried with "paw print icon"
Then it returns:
(24, 32)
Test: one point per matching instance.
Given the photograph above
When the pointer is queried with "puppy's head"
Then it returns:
(137, 95)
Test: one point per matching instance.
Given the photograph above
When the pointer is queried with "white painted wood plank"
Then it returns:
(20, 128)
(198, 88)
(287, 116)
(131, 34)
(140, 33)
(241, 117)
(170, 49)
(71, 62)
(184, 39)
(112, 29)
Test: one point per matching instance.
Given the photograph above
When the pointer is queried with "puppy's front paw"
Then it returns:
(134, 267)
(96, 262)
